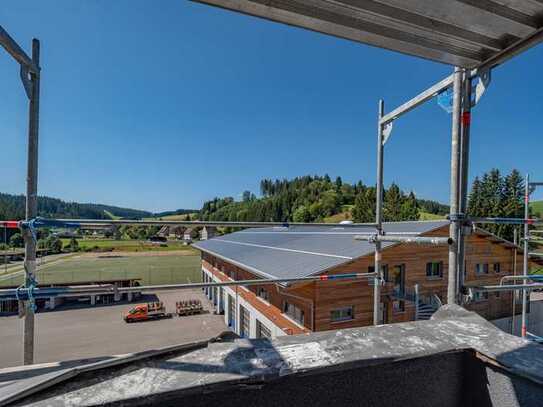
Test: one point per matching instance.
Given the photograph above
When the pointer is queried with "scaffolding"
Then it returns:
(418, 30)
(30, 78)
(525, 287)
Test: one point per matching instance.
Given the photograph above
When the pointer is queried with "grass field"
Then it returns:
(128, 245)
(108, 213)
(174, 217)
(347, 215)
(151, 269)
(429, 216)
(537, 208)
(338, 217)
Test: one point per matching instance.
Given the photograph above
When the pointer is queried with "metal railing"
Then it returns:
(24, 294)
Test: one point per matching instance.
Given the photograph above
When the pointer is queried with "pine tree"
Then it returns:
(409, 209)
(513, 198)
(339, 183)
(496, 196)
(364, 206)
(392, 204)
(492, 186)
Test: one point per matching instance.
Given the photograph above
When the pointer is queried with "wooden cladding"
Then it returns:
(407, 265)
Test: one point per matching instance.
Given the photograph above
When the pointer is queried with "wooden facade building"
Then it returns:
(416, 277)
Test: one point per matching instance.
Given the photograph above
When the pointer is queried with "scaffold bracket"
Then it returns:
(457, 217)
(387, 131)
(483, 82)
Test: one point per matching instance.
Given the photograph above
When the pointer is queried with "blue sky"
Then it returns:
(162, 105)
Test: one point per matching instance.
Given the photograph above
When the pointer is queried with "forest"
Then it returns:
(316, 198)
(12, 207)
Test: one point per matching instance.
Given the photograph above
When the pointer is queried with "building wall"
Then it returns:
(301, 296)
(244, 298)
(318, 299)
(414, 258)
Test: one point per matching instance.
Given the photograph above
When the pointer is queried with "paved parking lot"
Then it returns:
(99, 331)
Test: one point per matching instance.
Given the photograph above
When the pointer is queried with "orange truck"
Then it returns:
(147, 312)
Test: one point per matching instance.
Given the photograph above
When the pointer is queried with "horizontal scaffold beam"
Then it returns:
(16, 51)
(422, 240)
(48, 292)
(505, 221)
(77, 223)
(509, 287)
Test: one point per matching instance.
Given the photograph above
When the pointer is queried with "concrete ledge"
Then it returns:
(452, 360)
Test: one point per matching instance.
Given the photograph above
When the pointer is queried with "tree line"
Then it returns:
(315, 198)
(12, 207)
(497, 195)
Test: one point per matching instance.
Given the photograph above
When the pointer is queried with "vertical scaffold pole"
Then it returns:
(452, 288)
(463, 175)
(514, 293)
(31, 203)
(378, 217)
(525, 262)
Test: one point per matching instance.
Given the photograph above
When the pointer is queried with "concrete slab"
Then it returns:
(438, 349)
(100, 331)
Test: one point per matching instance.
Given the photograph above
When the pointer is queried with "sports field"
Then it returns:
(128, 245)
(152, 268)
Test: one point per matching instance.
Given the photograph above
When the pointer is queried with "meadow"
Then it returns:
(149, 268)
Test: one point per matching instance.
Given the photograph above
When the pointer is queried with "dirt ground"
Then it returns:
(66, 334)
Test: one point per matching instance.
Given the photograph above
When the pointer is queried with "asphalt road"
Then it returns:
(101, 331)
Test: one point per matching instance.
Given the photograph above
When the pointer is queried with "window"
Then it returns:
(231, 312)
(481, 268)
(263, 293)
(398, 306)
(384, 270)
(262, 331)
(434, 269)
(497, 268)
(481, 296)
(244, 322)
(397, 277)
(294, 312)
(342, 314)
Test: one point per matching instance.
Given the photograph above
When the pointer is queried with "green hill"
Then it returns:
(537, 208)
(12, 207)
(318, 199)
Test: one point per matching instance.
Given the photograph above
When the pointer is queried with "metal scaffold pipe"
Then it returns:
(75, 223)
(421, 240)
(22, 293)
(525, 263)
(454, 230)
(378, 215)
(510, 287)
(31, 202)
(506, 221)
(463, 172)
(522, 278)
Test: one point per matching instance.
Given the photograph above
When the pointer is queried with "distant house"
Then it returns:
(271, 310)
(188, 235)
(172, 231)
(12, 306)
(207, 232)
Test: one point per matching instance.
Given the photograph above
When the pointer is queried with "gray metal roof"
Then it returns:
(299, 251)
(466, 33)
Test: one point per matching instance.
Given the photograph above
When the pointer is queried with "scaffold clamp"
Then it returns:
(484, 78)
(457, 217)
(387, 131)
